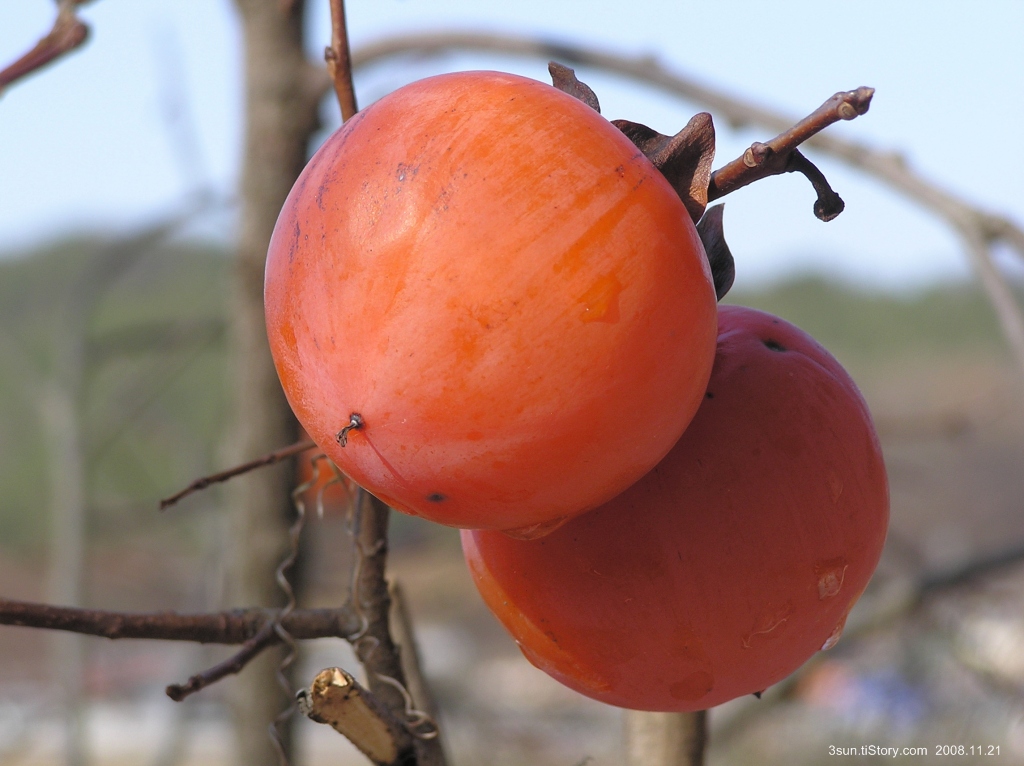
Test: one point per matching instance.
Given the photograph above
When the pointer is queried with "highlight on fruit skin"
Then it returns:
(727, 566)
(504, 290)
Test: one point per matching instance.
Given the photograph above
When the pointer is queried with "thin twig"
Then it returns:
(274, 457)
(68, 32)
(772, 158)
(230, 627)
(339, 62)
(889, 167)
(234, 664)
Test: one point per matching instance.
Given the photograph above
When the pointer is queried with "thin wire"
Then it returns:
(294, 534)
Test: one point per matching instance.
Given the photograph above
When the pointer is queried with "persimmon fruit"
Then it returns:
(729, 564)
(502, 295)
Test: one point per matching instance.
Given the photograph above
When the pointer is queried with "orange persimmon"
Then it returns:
(728, 565)
(500, 292)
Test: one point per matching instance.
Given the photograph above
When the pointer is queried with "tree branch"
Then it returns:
(266, 636)
(339, 62)
(780, 155)
(230, 627)
(374, 645)
(269, 459)
(68, 32)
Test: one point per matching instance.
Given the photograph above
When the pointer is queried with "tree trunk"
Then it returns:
(665, 739)
(59, 413)
(282, 92)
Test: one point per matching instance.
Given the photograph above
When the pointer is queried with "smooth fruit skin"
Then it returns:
(732, 562)
(507, 292)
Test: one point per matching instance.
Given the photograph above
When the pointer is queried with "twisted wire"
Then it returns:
(418, 723)
(276, 727)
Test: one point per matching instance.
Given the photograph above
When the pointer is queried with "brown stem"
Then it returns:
(234, 664)
(339, 62)
(772, 158)
(67, 33)
(229, 627)
(375, 647)
(274, 457)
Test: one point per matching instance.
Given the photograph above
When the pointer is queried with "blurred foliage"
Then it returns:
(152, 392)
(860, 327)
(154, 388)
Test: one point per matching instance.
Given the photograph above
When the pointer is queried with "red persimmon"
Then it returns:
(728, 565)
(501, 291)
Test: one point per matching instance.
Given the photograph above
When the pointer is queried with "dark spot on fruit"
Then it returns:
(709, 395)
(774, 345)
(437, 497)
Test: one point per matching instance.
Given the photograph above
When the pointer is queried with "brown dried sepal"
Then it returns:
(723, 266)
(564, 78)
(684, 159)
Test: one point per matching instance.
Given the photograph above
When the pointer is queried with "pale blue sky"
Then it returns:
(84, 144)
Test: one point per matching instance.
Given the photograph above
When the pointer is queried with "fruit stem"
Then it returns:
(776, 156)
(355, 422)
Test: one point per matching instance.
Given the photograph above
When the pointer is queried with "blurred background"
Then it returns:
(118, 180)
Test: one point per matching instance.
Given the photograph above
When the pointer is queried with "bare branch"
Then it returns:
(339, 62)
(432, 751)
(230, 627)
(68, 32)
(269, 459)
(337, 699)
(234, 664)
(889, 167)
(374, 645)
(779, 155)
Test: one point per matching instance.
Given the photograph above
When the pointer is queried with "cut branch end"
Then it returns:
(336, 698)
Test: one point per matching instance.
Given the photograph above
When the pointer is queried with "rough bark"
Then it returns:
(281, 95)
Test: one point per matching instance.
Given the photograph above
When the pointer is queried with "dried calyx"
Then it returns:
(685, 161)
